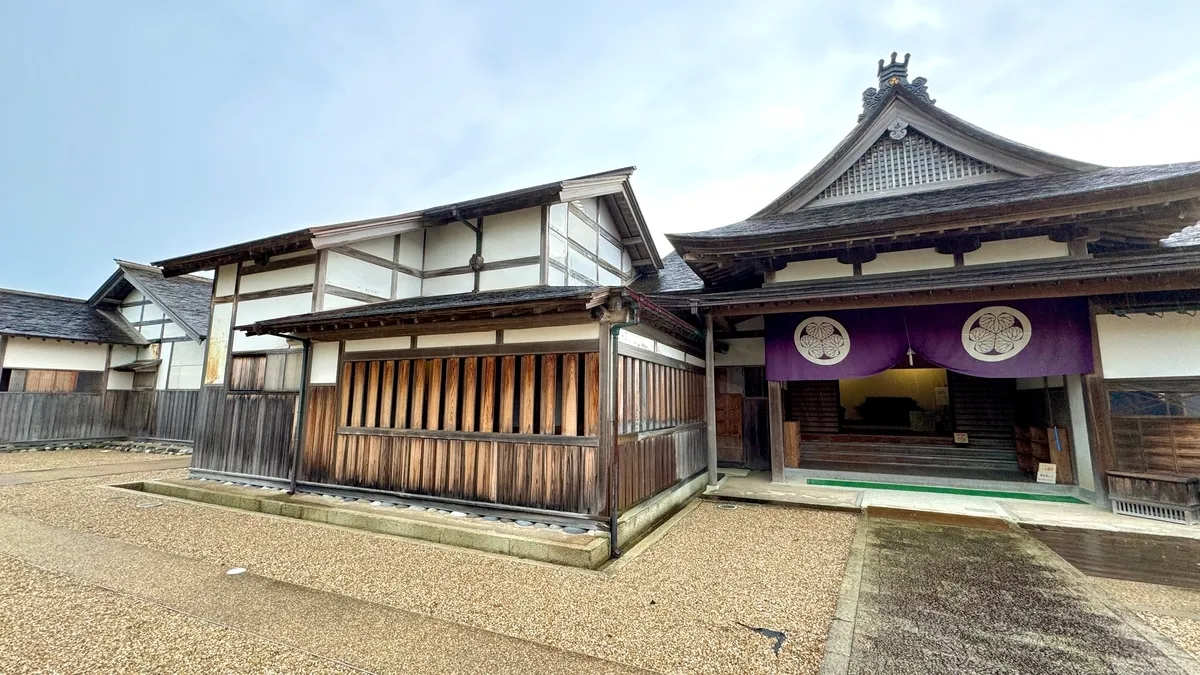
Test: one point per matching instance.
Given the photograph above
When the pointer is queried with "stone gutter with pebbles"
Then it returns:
(143, 446)
(579, 545)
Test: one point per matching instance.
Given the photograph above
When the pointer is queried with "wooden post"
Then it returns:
(775, 417)
(1099, 419)
(710, 399)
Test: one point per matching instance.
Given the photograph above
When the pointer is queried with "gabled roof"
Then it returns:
(613, 187)
(26, 314)
(900, 106)
(674, 277)
(184, 299)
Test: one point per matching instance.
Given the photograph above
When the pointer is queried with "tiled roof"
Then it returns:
(675, 276)
(49, 316)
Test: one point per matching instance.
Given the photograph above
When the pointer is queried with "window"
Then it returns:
(17, 380)
(1155, 403)
(266, 372)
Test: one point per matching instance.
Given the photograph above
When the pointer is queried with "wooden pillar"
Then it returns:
(604, 433)
(1099, 418)
(775, 421)
(710, 399)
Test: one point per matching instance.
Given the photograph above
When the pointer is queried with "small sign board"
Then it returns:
(941, 396)
(1047, 473)
(960, 437)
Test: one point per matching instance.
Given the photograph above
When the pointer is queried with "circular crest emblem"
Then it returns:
(822, 340)
(996, 333)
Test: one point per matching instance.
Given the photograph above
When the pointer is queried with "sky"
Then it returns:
(146, 130)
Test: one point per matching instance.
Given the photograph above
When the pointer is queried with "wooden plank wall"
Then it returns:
(516, 429)
(1157, 444)
(244, 433)
(31, 417)
(661, 420)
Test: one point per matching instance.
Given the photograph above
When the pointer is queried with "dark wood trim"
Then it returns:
(177, 338)
(775, 417)
(237, 287)
(376, 260)
(655, 433)
(395, 272)
(487, 267)
(330, 289)
(449, 327)
(538, 439)
(633, 352)
(221, 299)
(740, 334)
(514, 349)
(276, 292)
(4, 348)
(152, 322)
(273, 265)
(601, 262)
(1099, 415)
(1164, 384)
(321, 273)
(136, 304)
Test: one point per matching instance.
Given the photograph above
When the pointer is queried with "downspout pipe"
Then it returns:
(614, 471)
(302, 415)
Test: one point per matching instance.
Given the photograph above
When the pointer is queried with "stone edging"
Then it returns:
(149, 447)
(839, 641)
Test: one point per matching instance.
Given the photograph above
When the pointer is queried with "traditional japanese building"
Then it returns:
(932, 299)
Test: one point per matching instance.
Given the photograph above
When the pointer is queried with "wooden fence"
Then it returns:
(244, 433)
(36, 417)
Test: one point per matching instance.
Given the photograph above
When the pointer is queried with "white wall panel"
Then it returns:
(243, 343)
(273, 279)
(1140, 345)
(54, 354)
(412, 249)
(607, 278)
(450, 245)
(555, 277)
(581, 232)
(218, 343)
(358, 275)
(172, 330)
(152, 312)
(134, 296)
(407, 286)
(694, 360)
(458, 283)
(807, 270)
(151, 332)
(324, 366)
(122, 354)
(378, 344)
(163, 368)
(581, 331)
(118, 381)
(671, 352)
(383, 247)
(606, 221)
(225, 281)
(579, 264)
(639, 341)
(556, 246)
(610, 253)
(338, 302)
(1011, 250)
(249, 311)
(516, 234)
(907, 261)
(457, 339)
(743, 352)
(186, 365)
(132, 314)
(512, 277)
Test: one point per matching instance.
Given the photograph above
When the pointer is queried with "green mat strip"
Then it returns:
(999, 494)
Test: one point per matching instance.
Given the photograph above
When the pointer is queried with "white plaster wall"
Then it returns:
(54, 354)
(671, 352)
(557, 248)
(412, 249)
(163, 369)
(1141, 345)
(329, 301)
(249, 311)
(556, 218)
(187, 364)
(122, 354)
(152, 312)
(581, 232)
(172, 330)
(640, 341)
(556, 277)
(516, 234)
(582, 331)
(271, 280)
(607, 278)
(458, 283)
(118, 381)
(743, 352)
(379, 344)
(457, 339)
(610, 253)
(324, 366)
(134, 296)
(218, 343)
(606, 220)
(358, 275)
(908, 261)
(382, 247)
(450, 245)
(151, 332)
(807, 270)
(579, 264)
(1010, 250)
(512, 277)
(226, 280)
(132, 314)
(407, 286)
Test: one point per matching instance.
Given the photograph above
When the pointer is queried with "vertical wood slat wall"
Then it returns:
(369, 431)
(655, 397)
(30, 417)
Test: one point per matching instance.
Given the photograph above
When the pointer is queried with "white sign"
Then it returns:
(1047, 473)
(996, 333)
(822, 340)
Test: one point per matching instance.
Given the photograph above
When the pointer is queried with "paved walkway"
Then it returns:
(142, 466)
(937, 599)
(343, 630)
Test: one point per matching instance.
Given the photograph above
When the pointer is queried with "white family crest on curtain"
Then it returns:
(996, 333)
(822, 340)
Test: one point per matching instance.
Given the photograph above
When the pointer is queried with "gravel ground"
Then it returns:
(11, 462)
(1174, 612)
(49, 623)
(676, 608)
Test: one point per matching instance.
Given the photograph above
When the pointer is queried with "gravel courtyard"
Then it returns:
(12, 462)
(682, 606)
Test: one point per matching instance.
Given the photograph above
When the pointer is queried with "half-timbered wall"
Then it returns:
(584, 246)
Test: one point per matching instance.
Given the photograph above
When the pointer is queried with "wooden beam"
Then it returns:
(353, 295)
(710, 398)
(431, 327)
(775, 417)
(516, 348)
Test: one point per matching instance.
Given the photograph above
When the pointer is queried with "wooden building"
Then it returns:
(933, 299)
(124, 363)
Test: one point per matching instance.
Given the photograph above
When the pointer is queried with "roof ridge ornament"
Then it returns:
(893, 74)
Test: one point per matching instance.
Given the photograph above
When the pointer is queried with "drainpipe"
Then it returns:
(302, 416)
(614, 473)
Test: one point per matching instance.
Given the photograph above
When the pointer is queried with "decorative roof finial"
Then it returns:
(894, 74)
